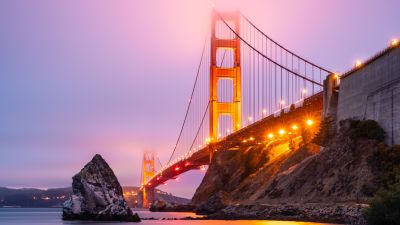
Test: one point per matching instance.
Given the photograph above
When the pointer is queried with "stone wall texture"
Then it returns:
(373, 92)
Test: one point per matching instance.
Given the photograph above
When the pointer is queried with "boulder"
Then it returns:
(97, 195)
(159, 205)
(163, 206)
(215, 203)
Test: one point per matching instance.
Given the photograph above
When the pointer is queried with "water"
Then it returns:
(22, 216)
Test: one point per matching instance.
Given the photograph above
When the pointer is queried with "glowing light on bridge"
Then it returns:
(309, 122)
(336, 76)
(358, 63)
(303, 93)
(194, 138)
(394, 42)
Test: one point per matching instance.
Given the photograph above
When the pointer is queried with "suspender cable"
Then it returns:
(276, 43)
(190, 103)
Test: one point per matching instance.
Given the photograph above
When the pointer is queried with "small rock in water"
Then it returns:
(97, 195)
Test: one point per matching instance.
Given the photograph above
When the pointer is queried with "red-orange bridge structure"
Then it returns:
(248, 89)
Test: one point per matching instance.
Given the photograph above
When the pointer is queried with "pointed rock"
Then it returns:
(97, 195)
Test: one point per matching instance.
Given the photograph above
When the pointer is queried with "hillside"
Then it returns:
(298, 175)
(37, 198)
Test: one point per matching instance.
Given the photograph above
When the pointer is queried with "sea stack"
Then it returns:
(97, 195)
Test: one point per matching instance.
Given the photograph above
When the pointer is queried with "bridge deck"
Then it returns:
(309, 108)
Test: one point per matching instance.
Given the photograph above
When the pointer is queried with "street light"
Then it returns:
(336, 76)
(394, 42)
(358, 63)
(303, 93)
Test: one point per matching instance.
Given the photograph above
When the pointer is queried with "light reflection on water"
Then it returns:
(22, 216)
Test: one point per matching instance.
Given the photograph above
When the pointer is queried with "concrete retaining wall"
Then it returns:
(373, 92)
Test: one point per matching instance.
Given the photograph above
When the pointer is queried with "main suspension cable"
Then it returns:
(190, 103)
(262, 54)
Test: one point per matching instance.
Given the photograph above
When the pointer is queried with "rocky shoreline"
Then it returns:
(346, 213)
(163, 206)
(310, 212)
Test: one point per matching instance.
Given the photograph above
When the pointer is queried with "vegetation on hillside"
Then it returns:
(326, 132)
(355, 129)
(385, 206)
(358, 129)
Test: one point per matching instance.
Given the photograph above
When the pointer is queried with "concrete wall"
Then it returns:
(373, 92)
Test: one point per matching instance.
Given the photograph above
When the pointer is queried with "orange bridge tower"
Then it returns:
(224, 41)
(146, 195)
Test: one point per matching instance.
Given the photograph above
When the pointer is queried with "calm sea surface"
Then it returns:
(11, 216)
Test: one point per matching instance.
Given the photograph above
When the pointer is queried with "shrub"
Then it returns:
(325, 133)
(357, 129)
(387, 161)
(385, 207)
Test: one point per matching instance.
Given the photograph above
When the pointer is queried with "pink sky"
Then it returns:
(79, 78)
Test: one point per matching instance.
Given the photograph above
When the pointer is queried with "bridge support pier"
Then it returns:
(146, 193)
(330, 97)
(146, 197)
(211, 149)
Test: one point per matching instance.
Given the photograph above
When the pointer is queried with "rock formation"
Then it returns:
(163, 206)
(265, 176)
(241, 176)
(97, 195)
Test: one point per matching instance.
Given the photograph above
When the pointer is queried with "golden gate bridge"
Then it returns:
(248, 89)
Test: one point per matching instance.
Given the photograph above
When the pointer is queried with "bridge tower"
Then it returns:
(146, 195)
(232, 43)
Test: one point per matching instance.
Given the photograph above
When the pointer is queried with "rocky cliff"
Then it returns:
(97, 195)
(280, 173)
(241, 176)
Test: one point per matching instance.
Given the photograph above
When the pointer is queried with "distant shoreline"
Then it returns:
(24, 207)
